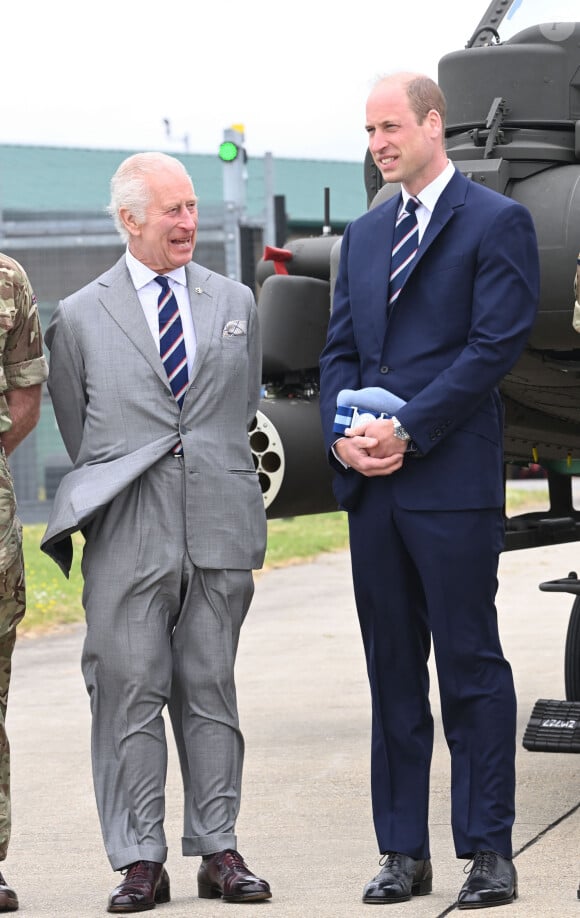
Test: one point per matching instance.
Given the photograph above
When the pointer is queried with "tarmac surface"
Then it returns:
(305, 822)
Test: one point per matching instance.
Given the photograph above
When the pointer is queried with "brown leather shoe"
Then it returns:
(146, 885)
(8, 898)
(227, 875)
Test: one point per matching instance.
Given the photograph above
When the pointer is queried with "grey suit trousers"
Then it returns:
(160, 632)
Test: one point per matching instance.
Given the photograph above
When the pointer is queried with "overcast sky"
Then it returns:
(295, 73)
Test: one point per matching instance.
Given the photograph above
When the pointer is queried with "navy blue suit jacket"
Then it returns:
(458, 326)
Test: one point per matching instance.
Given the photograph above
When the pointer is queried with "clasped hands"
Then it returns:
(372, 449)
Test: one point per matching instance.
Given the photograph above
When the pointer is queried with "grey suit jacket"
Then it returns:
(118, 417)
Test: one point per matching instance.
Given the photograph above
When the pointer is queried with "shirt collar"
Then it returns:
(141, 275)
(430, 194)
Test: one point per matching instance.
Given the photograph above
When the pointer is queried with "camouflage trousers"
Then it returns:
(12, 608)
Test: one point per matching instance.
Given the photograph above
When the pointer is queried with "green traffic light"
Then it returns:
(228, 151)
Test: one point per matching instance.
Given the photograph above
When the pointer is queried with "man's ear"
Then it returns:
(435, 123)
(129, 221)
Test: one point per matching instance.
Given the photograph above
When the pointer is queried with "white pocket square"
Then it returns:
(235, 327)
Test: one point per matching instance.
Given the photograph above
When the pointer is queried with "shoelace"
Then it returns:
(390, 859)
(137, 871)
(231, 859)
(483, 862)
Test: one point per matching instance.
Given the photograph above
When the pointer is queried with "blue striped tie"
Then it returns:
(405, 245)
(171, 343)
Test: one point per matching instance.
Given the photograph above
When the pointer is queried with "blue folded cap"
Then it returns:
(352, 404)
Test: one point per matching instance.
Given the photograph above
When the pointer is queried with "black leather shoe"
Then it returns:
(8, 898)
(146, 885)
(400, 878)
(492, 880)
(227, 875)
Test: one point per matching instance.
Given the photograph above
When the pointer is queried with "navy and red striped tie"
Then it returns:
(172, 346)
(405, 245)
(171, 342)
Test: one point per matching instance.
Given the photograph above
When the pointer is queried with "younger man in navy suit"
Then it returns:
(438, 323)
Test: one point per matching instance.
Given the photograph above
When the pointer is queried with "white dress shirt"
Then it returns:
(429, 197)
(148, 291)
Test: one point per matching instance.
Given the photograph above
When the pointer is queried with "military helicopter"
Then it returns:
(513, 124)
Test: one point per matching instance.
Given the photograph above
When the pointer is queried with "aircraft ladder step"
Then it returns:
(554, 726)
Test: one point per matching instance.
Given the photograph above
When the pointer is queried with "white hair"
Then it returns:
(130, 189)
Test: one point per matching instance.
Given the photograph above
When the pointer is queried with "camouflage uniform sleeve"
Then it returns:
(22, 364)
(22, 358)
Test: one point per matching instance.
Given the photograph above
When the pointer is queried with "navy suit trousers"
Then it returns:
(422, 577)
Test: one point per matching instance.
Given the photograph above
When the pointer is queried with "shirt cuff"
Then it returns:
(335, 454)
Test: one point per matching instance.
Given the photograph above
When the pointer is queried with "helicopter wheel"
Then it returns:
(572, 654)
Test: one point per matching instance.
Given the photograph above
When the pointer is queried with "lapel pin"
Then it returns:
(198, 290)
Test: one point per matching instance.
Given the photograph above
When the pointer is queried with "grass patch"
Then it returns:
(54, 601)
(302, 538)
(51, 599)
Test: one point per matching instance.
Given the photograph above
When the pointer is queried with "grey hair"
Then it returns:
(129, 187)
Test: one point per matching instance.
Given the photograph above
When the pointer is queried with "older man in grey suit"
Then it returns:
(155, 379)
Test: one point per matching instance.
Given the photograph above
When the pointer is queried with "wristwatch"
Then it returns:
(399, 431)
(401, 434)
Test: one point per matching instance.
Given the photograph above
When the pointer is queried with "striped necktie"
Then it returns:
(171, 343)
(405, 245)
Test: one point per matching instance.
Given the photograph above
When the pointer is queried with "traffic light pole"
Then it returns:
(233, 156)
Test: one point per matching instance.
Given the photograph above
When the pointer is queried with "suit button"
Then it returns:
(385, 369)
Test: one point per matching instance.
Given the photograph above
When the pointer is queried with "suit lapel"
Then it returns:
(452, 196)
(119, 297)
(380, 261)
(203, 298)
